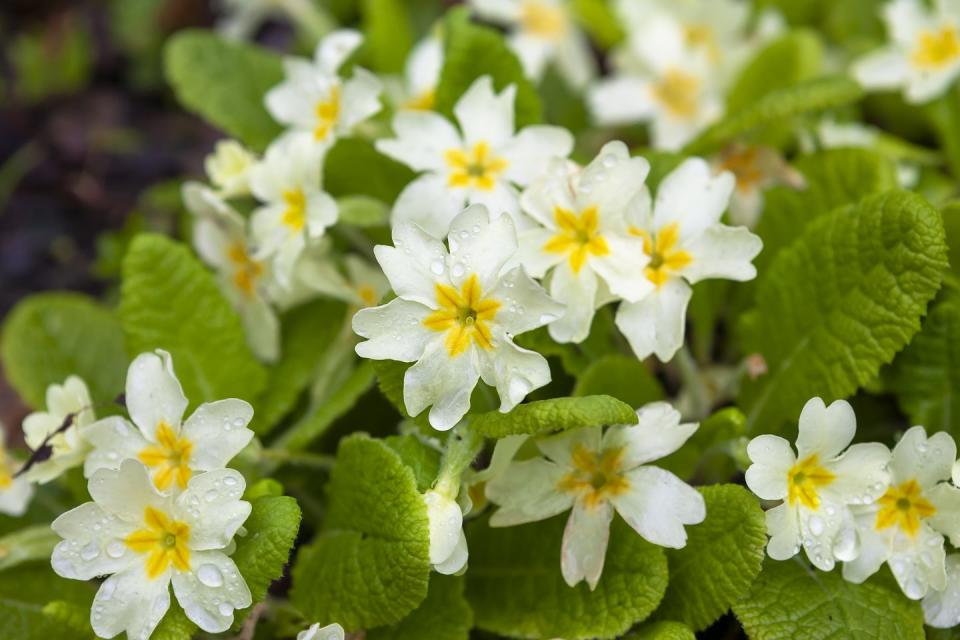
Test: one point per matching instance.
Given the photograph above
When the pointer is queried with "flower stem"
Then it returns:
(462, 447)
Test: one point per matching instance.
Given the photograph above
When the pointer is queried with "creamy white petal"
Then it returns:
(329, 632)
(413, 265)
(873, 551)
(611, 181)
(114, 440)
(360, 99)
(211, 505)
(928, 460)
(560, 447)
(533, 52)
(262, 328)
(422, 138)
(394, 331)
(658, 504)
(620, 100)
(946, 498)
(772, 458)
(577, 292)
(428, 203)
(442, 381)
(574, 60)
(886, 68)
(502, 199)
(920, 567)
(584, 546)
(861, 474)
(218, 431)
(154, 394)
(335, 48)
(125, 492)
(941, 609)
(723, 252)
(925, 86)
(693, 197)
(481, 244)
(825, 431)
(456, 562)
(526, 491)
(92, 543)
(656, 323)
(526, 305)
(622, 268)
(783, 527)
(553, 188)
(130, 601)
(531, 255)
(513, 370)
(485, 115)
(532, 148)
(211, 591)
(38, 425)
(15, 499)
(657, 434)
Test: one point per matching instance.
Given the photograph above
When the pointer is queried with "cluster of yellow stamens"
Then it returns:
(543, 20)
(577, 237)
(464, 316)
(904, 506)
(678, 92)
(295, 215)
(164, 540)
(665, 257)
(327, 111)
(477, 168)
(169, 458)
(804, 479)
(246, 270)
(743, 161)
(936, 48)
(596, 477)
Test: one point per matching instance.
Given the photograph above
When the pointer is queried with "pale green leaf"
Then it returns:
(624, 378)
(444, 615)
(388, 35)
(599, 20)
(793, 57)
(362, 211)
(662, 631)
(354, 168)
(556, 414)
(25, 591)
(27, 544)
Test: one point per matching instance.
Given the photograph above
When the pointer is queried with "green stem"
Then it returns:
(462, 447)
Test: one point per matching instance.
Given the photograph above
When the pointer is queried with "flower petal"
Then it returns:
(825, 431)
(772, 458)
(334, 49)
(656, 323)
(125, 492)
(485, 115)
(92, 543)
(211, 591)
(783, 527)
(941, 609)
(526, 491)
(412, 264)
(946, 498)
(560, 446)
(584, 546)
(446, 525)
(619, 100)
(218, 431)
(623, 266)
(611, 182)
(658, 504)
(532, 148)
(861, 474)
(723, 252)
(394, 331)
(130, 601)
(361, 99)
(887, 68)
(693, 197)
(211, 505)
(526, 305)
(422, 138)
(531, 254)
(513, 370)
(114, 440)
(428, 203)
(657, 434)
(442, 381)
(457, 560)
(480, 243)
(153, 393)
(928, 461)
(577, 292)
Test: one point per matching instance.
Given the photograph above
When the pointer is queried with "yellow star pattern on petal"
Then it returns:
(327, 111)
(169, 458)
(464, 316)
(804, 479)
(678, 91)
(936, 48)
(477, 168)
(665, 257)
(246, 270)
(164, 540)
(295, 215)
(577, 237)
(904, 506)
(595, 478)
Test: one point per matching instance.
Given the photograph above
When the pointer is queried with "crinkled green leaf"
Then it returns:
(354, 168)
(444, 615)
(49, 336)
(423, 460)
(793, 57)
(472, 51)
(662, 631)
(225, 82)
(721, 560)
(371, 564)
(840, 302)
(624, 378)
(27, 544)
(791, 600)
(263, 553)
(169, 301)
(554, 415)
(951, 224)
(516, 589)
(25, 591)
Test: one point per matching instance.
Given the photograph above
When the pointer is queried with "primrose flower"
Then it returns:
(585, 241)
(923, 55)
(755, 168)
(455, 316)
(595, 474)
(686, 243)
(541, 32)
(228, 168)
(315, 102)
(172, 451)
(220, 239)
(830, 134)
(315, 632)
(481, 163)
(422, 73)
(448, 544)
(817, 485)
(144, 541)
(68, 448)
(906, 526)
(15, 491)
(296, 209)
(941, 609)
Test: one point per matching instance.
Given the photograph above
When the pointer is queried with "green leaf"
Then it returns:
(444, 615)
(626, 379)
(944, 115)
(388, 35)
(951, 224)
(175, 625)
(24, 592)
(362, 211)
(169, 301)
(353, 167)
(225, 83)
(72, 616)
(840, 302)
(792, 600)
(263, 553)
(27, 544)
(423, 460)
(516, 589)
(371, 565)
(50, 336)
(662, 631)
(472, 51)
(777, 107)
(597, 18)
(557, 414)
(792, 58)
(722, 558)
(927, 373)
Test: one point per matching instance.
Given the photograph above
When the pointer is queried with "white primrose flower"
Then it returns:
(541, 32)
(174, 451)
(923, 55)
(69, 447)
(686, 243)
(316, 632)
(818, 484)
(228, 168)
(585, 242)
(455, 316)
(145, 540)
(941, 609)
(448, 544)
(295, 209)
(315, 102)
(596, 475)
(220, 239)
(480, 163)
(15, 491)
(366, 282)
(906, 526)
(830, 134)
(422, 73)
(756, 168)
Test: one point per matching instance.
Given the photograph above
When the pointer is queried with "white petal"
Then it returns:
(656, 323)
(329, 632)
(825, 431)
(526, 491)
(414, 264)
(884, 69)
(658, 504)
(485, 116)
(619, 100)
(611, 182)
(531, 255)
(456, 562)
(130, 601)
(772, 458)
(446, 525)
(211, 591)
(657, 434)
(428, 203)
(584, 546)
(38, 425)
(218, 431)
(480, 244)
(15, 499)
(941, 609)
(532, 148)
(723, 252)
(927, 460)
(553, 188)
(502, 199)
(92, 543)
(394, 331)
(211, 505)
(818, 530)
(422, 139)
(920, 567)
(321, 213)
(560, 446)
(526, 305)
(442, 381)
(622, 268)
(574, 61)
(125, 492)
(693, 197)
(784, 531)
(360, 99)
(946, 498)
(262, 328)
(925, 86)
(577, 292)
(533, 52)
(861, 474)
(154, 394)
(513, 370)
(114, 440)
(335, 48)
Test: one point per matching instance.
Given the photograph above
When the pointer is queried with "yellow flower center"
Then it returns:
(595, 478)
(701, 35)
(327, 112)
(936, 48)
(6, 472)
(169, 458)
(678, 91)
(164, 540)
(904, 506)
(743, 163)
(543, 20)
(423, 102)
(295, 215)
(665, 257)
(246, 270)
(476, 168)
(577, 237)
(368, 294)
(803, 480)
(463, 315)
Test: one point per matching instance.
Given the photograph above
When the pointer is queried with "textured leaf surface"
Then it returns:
(444, 615)
(371, 565)
(423, 460)
(225, 82)
(554, 415)
(263, 553)
(792, 601)
(169, 301)
(624, 378)
(840, 302)
(50, 336)
(515, 587)
(25, 590)
(662, 631)
(722, 558)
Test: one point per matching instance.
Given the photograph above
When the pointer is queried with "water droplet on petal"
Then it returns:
(209, 575)
(116, 549)
(225, 609)
(90, 552)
